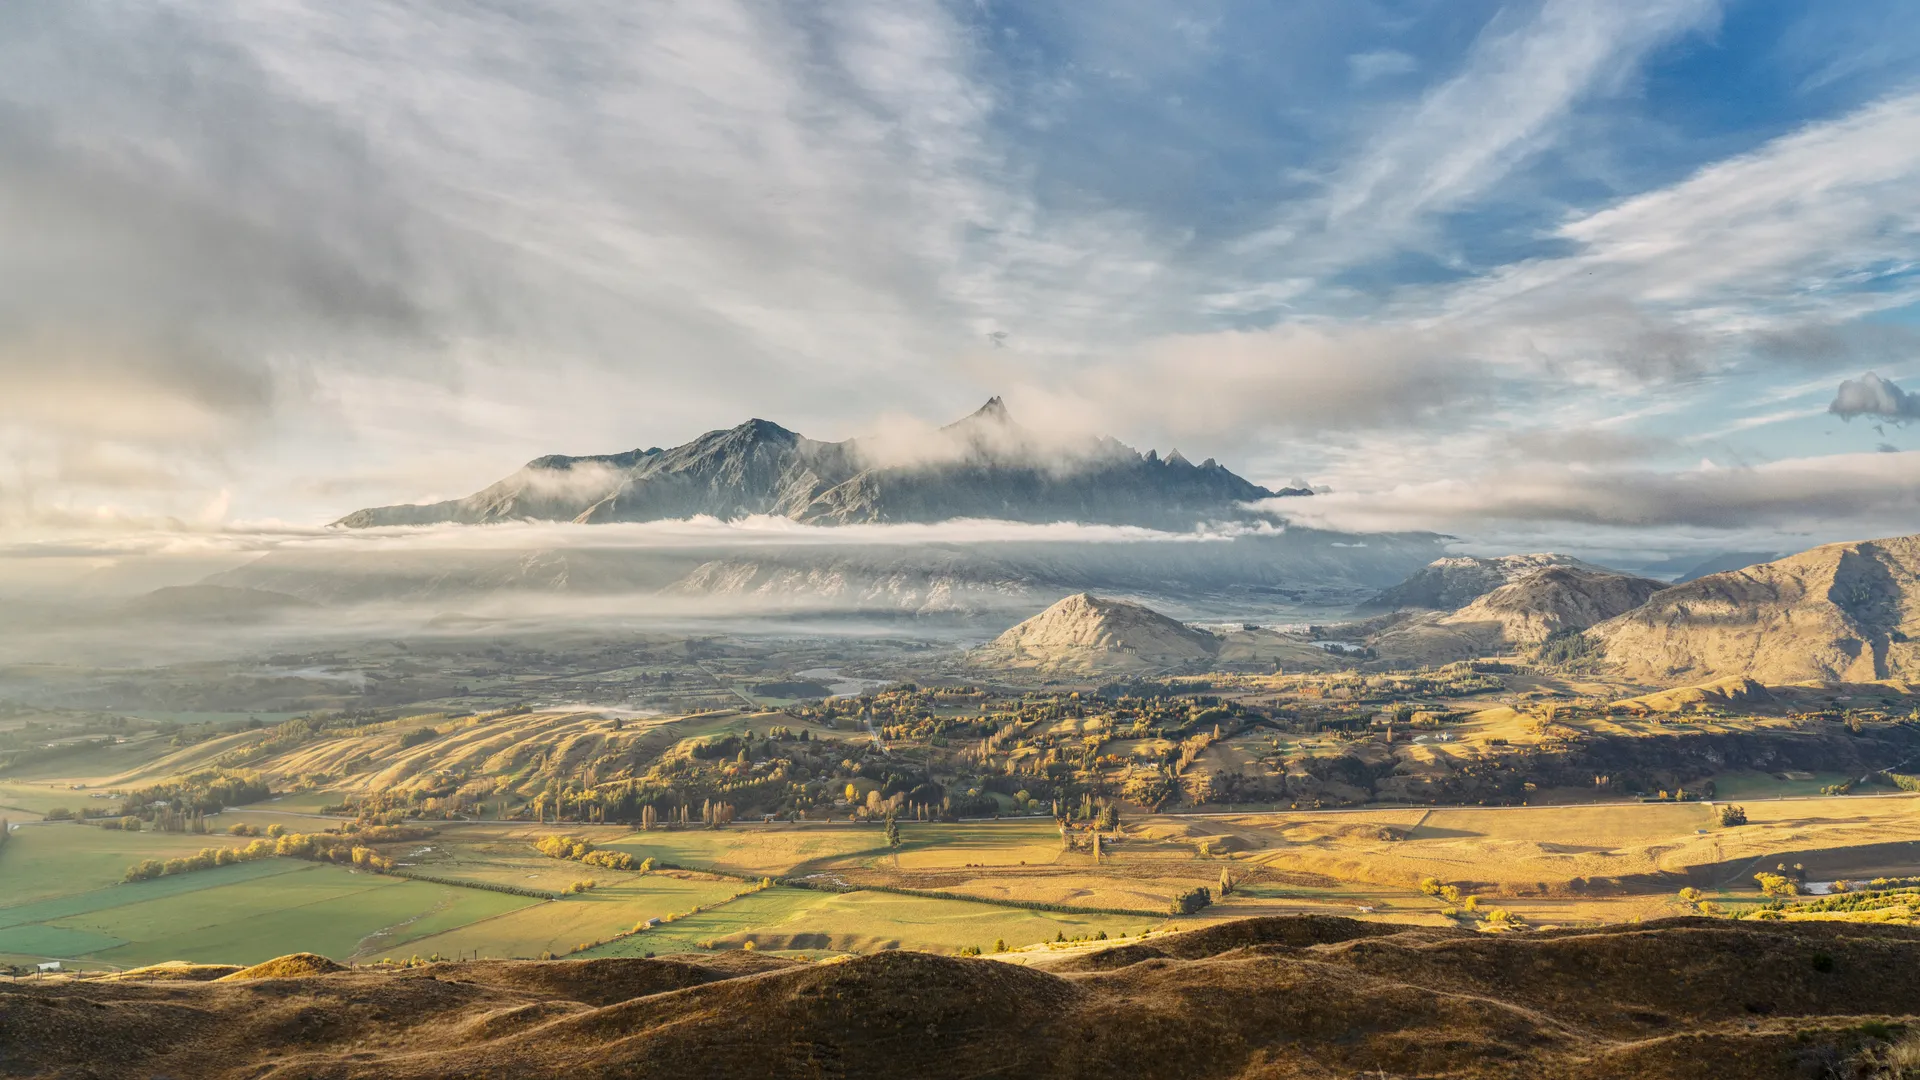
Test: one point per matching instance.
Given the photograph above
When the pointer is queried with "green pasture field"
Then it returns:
(87, 765)
(500, 855)
(61, 858)
(1033, 841)
(72, 905)
(766, 908)
(787, 919)
(1759, 785)
(766, 851)
(27, 800)
(247, 913)
(557, 926)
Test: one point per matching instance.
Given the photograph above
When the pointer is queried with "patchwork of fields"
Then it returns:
(62, 895)
(242, 913)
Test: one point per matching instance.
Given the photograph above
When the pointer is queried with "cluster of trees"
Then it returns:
(206, 792)
(1192, 900)
(1566, 647)
(570, 847)
(1895, 901)
(417, 737)
(206, 859)
(343, 849)
(328, 847)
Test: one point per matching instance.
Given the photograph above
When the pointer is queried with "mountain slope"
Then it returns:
(1556, 598)
(1842, 612)
(1453, 582)
(983, 466)
(204, 602)
(1551, 596)
(1087, 635)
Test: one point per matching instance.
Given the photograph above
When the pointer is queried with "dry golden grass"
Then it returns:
(292, 966)
(1271, 997)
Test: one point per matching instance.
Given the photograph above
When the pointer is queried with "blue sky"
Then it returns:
(1538, 274)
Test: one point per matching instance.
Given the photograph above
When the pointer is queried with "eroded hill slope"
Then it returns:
(1838, 613)
(1289, 997)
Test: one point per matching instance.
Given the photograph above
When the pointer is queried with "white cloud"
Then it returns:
(1871, 395)
(1778, 238)
(1505, 105)
(1840, 494)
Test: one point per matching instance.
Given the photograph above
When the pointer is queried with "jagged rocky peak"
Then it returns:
(983, 466)
(994, 412)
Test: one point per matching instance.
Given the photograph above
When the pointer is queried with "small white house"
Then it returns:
(51, 965)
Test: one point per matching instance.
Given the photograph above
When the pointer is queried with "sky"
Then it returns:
(1629, 276)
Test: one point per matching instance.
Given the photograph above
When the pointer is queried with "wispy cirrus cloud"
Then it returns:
(313, 252)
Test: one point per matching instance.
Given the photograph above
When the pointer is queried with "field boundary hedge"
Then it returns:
(489, 886)
(930, 894)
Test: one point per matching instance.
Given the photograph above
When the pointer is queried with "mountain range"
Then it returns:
(983, 466)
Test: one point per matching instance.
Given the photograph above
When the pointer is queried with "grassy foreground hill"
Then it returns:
(1296, 997)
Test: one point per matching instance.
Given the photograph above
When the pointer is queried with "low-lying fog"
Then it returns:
(144, 599)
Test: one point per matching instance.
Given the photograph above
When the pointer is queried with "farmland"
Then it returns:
(60, 895)
(1429, 798)
(815, 922)
(240, 914)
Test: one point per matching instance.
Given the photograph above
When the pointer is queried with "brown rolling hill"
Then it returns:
(1452, 582)
(1838, 613)
(1089, 635)
(1522, 612)
(1307, 997)
(1556, 598)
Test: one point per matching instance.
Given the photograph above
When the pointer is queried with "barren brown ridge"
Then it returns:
(1277, 997)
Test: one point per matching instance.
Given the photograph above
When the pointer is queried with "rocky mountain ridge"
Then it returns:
(983, 466)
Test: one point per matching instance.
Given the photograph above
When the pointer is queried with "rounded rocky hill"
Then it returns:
(1086, 634)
